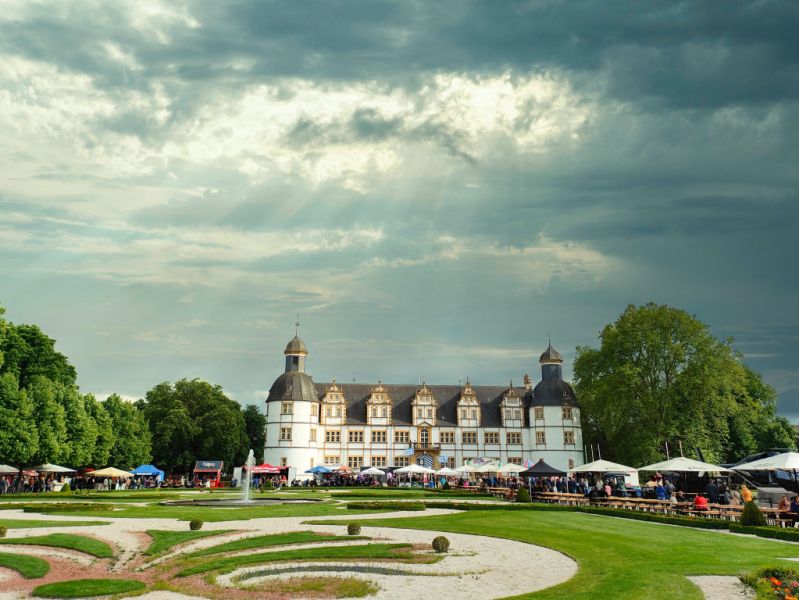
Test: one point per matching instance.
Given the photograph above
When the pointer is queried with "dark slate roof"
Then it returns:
(356, 394)
(550, 355)
(553, 392)
(295, 346)
(292, 385)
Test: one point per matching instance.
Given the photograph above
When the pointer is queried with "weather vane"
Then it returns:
(297, 326)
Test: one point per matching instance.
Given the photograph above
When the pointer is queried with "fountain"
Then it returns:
(246, 478)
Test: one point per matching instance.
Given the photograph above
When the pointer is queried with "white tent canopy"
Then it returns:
(51, 468)
(511, 468)
(372, 471)
(110, 472)
(415, 469)
(8, 470)
(684, 465)
(602, 466)
(466, 469)
(787, 461)
(447, 472)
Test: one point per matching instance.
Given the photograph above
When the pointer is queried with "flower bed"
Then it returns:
(774, 582)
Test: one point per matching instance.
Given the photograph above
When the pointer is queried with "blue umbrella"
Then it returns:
(149, 470)
(318, 469)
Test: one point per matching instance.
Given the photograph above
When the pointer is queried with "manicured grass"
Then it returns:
(618, 558)
(65, 540)
(31, 524)
(328, 587)
(276, 539)
(164, 540)
(81, 588)
(213, 514)
(396, 552)
(29, 567)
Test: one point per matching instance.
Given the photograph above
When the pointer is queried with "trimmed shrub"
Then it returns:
(774, 533)
(65, 489)
(440, 544)
(522, 495)
(353, 529)
(195, 524)
(2, 531)
(752, 516)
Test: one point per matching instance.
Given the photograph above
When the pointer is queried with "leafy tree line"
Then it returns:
(45, 418)
(660, 377)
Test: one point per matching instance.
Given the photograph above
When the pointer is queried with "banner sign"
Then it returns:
(409, 451)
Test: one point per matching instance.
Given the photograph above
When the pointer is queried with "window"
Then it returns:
(379, 437)
(401, 437)
(332, 459)
(356, 437)
(447, 437)
(401, 461)
(568, 437)
(333, 437)
(567, 413)
(571, 464)
(355, 462)
(514, 437)
(285, 434)
(312, 437)
(515, 460)
(374, 411)
(539, 412)
(286, 408)
(314, 410)
(492, 437)
(474, 414)
(464, 414)
(429, 413)
(540, 438)
(338, 411)
(284, 462)
(378, 461)
(451, 462)
(328, 411)
(469, 437)
(384, 412)
(517, 413)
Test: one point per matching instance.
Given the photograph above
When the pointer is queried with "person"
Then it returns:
(660, 491)
(735, 498)
(712, 491)
(746, 495)
(607, 489)
(795, 505)
(784, 505)
(700, 502)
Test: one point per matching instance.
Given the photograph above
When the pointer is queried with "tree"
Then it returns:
(81, 428)
(19, 440)
(194, 420)
(660, 377)
(29, 352)
(255, 427)
(50, 419)
(131, 434)
(105, 431)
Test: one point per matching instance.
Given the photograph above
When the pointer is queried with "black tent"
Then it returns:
(541, 469)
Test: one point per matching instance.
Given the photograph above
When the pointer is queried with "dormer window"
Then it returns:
(511, 408)
(468, 407)
(424, 406)
(378, 406)
(333, 402)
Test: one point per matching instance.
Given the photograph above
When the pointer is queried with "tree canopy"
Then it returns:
(660, 377)
(255, 426)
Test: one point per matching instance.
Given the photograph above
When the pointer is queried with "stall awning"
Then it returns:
(208, 466)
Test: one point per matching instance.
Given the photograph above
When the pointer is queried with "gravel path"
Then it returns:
(717, 587)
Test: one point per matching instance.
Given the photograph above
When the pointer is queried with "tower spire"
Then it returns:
(297, 326)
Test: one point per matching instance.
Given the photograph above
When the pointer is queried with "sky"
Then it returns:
(433, 187)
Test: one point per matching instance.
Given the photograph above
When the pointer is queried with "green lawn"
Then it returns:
(82, 588)
(164, 540)
(30, 567)
(31, 524)
(618, 558)
(65, 540)
(366, 551)
(213, 514)
(275, 539)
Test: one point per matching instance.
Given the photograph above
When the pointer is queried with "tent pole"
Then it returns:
(599, 451)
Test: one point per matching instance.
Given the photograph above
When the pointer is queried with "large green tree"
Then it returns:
(255, 426)
(19, 439)
(50, 418)
(660, 377)
(105, 431)
(131, 434)
(194, 420)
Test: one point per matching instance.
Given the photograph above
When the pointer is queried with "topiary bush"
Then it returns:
(522, 495)
(65, 489)
(2, 531)
(440, 544)
(751, 516)
(195, 524)
(353, 529)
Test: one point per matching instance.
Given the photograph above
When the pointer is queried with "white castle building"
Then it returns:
(382, 425)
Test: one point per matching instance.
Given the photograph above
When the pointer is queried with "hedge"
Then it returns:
(59, 507)
(390, 505)
(775, 533)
